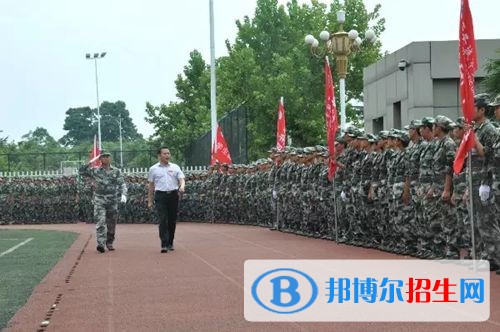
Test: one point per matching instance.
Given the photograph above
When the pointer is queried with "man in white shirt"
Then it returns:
(166, 180)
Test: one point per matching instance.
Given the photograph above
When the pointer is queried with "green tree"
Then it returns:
(492, 80)
(269, 59)
(180, 123)
(81, 124)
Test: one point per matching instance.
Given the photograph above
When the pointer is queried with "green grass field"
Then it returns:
(23, 268)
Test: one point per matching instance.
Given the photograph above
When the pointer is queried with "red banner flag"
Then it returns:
(330, 119)
(220, 153)
(467, 66)
(94, 153)
(281, 128)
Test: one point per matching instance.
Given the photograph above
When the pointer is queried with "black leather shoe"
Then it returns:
(164, 250)
(100, 249)
(110, 247)
(171, 248)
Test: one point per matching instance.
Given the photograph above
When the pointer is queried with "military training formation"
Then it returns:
(395, 191)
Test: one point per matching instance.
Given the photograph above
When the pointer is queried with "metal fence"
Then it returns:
(234, 128)
(51, 161)
(71, 171)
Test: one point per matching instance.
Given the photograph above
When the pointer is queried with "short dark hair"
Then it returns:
(161, 148)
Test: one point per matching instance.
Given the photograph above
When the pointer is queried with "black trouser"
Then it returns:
(166, 204)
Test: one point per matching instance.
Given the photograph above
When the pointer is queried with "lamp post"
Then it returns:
(94, 57)
(340, 44)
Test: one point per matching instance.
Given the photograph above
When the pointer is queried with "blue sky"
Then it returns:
(44, 71)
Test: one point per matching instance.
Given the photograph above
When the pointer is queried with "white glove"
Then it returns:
(275, 194)
(484, 192)
(123, 199)
(343, 196)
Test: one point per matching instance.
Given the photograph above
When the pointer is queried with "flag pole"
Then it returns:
(471, 207)
(335, 212)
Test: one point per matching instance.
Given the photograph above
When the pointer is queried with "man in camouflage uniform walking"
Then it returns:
(109, 182)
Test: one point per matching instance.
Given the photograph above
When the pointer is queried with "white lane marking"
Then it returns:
(15, 247)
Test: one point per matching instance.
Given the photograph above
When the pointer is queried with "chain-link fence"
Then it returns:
(234, 128)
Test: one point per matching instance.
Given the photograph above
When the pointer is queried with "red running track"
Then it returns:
(198, 287)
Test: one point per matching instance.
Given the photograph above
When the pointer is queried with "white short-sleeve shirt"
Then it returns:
(165, 177)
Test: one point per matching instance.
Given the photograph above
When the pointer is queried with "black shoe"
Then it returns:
(110, 247)
(164, 250)
(171, 248)
(100, 249)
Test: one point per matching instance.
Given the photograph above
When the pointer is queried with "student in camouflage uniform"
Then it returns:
(410, 202)
(459, 198)
(425, 179)
(109, 181)
(439, 211)
(482, 176)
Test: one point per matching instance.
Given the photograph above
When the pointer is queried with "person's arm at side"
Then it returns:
(123, 187)
(182, 185)
(151, 191)
(182, 181)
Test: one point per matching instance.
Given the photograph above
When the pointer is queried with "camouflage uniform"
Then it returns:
(109, 182)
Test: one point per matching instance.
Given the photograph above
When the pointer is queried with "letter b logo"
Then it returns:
(284, 291)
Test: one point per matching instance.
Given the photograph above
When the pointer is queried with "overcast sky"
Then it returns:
(44, 71)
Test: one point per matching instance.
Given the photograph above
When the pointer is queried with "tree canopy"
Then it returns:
(267, 60)
(81, 124)
(492, 80)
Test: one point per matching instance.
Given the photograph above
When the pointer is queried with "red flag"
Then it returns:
(221, 152)
(467, 67)
(281, 128)
(94, 153)
(330, 119)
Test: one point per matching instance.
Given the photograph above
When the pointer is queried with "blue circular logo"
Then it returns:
(284, 291)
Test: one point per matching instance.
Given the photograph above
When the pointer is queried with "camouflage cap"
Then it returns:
(445, 122)
(309, 150)
(104, 153)
(393, 133)
(403, 136)
(372, 138)
(383, 134)
(428, 120)
(460, 122)
(350, 130)
(481, 100)
(496, 101)
(363, 136)
(414, 124)
(407, 127)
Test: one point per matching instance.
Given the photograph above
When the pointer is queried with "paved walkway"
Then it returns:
(198, 287)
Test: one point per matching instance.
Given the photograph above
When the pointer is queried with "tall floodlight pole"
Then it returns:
(213, 104)
(121, 144)
(94, 57)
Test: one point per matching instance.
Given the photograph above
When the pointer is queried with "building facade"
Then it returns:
(421, 79)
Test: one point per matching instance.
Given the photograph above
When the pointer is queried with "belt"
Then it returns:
(166, 192)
